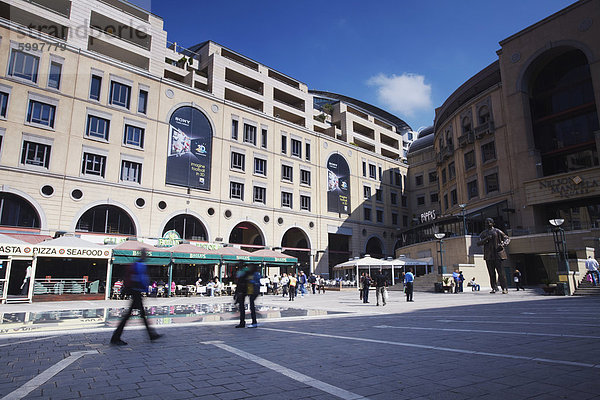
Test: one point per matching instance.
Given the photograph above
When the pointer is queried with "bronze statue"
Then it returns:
(494, 241)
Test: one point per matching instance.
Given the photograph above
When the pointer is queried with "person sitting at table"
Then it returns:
(474, 286)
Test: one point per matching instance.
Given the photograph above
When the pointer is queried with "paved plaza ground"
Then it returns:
(523, 345)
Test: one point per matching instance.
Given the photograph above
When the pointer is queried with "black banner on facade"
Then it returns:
(190, 149)
(338, 185)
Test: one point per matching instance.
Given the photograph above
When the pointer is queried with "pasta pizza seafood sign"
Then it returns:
(53, 251)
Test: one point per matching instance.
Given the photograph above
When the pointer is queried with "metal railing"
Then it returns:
(64, 286)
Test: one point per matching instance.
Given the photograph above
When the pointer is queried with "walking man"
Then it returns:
(494, 241)
(366, 285)
(517, 278)
(136, 282)
(409, 278)
(248, 284)
(380, 285)
(592, 266)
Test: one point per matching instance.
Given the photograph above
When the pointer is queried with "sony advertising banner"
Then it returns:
(190, 149)
(338, 185)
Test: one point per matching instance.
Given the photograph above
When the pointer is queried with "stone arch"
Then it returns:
(109, 202)
(189, 212)
(247, 232)
(375, 246)
(43, 222)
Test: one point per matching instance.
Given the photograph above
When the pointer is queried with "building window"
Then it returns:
(380, 171)
(405, 220)
(54, 75)
(134, 136)
(378, 195)
(469, 160)
(372, 171)
(234, 129)
(260, 195)
(304, 177)
(95, 86)
(305, 203)
(263, 138)
(35, 154)
(393, 198)
(307, 149)
(296, 148)
(491, 183)
(433, 177)
(420, 200)
(466, 125)
(106, 219)
(419, 180)
(451, 171)
(286, 199)
(287, 173)
(41, 113)
(120, 94)
(453, 197)
(260, 166)
(236, 190)
(93, 164)
(283, 144)
(367, 192)
(404, 201)
(394, 219)
(364, 169)
(367, 213)
(379, 215)
(472, 190)
(250, 134)
(97, 127)
(23, 65)
(131, 171)
(3, 104)
(488, 152)
(398, 178)
(238, 161)
(434, 198)
(484, 115)
(445, 202)
(143, 101)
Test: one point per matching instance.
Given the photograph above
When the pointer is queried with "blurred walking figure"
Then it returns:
(248, 284)
(409, 278)
(136, 282)
(366, 284)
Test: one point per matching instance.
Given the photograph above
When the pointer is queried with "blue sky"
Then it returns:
(406, 57)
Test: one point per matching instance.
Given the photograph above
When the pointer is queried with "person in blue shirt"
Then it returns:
(456, 278)
(408, 284)
(136, 282)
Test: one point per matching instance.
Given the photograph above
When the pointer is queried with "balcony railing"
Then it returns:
(467, 138)
(485, 129)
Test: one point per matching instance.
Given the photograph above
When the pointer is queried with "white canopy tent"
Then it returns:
(368, 263)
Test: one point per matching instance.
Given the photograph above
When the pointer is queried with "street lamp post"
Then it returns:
(560, 245)
(464, 217)
(440, 237)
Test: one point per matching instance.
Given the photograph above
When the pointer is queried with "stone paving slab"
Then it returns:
(350, 353)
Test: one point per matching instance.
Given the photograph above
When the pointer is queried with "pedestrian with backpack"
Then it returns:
(136, 282)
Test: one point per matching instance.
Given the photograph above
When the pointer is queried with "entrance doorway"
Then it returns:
(18, 270)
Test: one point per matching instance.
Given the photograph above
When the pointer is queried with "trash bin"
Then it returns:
(439, 288)
(562, 289)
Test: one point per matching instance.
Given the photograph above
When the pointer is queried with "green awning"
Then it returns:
(149, 260)
(179, 260)
(137, 253)
(246, 259)
(280, 260)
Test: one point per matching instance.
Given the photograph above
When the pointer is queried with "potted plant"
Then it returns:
(446, 284)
